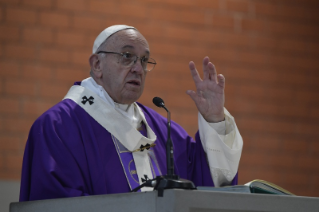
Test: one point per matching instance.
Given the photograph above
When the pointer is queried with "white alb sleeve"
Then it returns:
(223, 145)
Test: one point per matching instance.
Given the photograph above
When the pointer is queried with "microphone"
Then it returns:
(169, 181)
(169, 145)
(158, 102)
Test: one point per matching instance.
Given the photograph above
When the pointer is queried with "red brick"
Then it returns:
(1, 89)
(211, 36)
(275, 176)
(88, 22)
(174, 15)
(291, 12)
(35, 107)
(253, 24)
(306, 96)
(54, 19)
(307, 13)
(252, 57)
(20, 87)
(217, 55)
(10, 1)
(9, 105)
(17, 125)
(314, 112)
(1, 163)
(265, 143)
(36, 72)
(296, 146)
(232, 40)
(105, 7)
(70, 39)
(16, 51)
(265, 42)
(38, 35)
(179, 33)
(207, 4)
(237, 6)
(54, 90)
(1, 14)
(81, 58)
(40, 4)
(164, 49)
(242, 73)
(71, 74)
(10, 175)
(10, 143)
(288, 28)
(9, 33)
(54, 55)
(150, 30)
(9, 69)
(175, 68)
(307, 162)
(180, 99)
(72, 5)
(135, 10)
(21, 15)
(282, 161)
(266, 8)
(196, 51)
(255, 159)
(223, 21)
(190, 117)
(175, 3)
(13, 161)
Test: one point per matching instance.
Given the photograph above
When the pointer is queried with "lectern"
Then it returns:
(174, 200)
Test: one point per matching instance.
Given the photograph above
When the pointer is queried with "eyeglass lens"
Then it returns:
(147, 64)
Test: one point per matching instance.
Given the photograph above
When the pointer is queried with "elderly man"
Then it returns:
(99, 140)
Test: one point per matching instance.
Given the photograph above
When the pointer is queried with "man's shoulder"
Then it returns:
(63, 109)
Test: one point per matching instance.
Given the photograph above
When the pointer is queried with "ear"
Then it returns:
(95, 64)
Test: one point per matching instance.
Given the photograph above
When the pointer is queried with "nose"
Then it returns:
(137, 66)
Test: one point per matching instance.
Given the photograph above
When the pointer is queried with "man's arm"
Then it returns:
(219, 135)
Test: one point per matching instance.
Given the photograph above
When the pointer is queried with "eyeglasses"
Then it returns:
(128, 59)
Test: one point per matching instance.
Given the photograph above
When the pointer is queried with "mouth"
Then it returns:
(134, 82)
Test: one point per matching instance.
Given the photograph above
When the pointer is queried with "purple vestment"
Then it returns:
(69, 154)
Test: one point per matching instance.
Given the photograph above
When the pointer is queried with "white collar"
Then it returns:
(128, 111)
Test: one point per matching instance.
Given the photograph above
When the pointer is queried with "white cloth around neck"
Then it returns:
(128, 111)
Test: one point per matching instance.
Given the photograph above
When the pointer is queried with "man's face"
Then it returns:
(124, 84)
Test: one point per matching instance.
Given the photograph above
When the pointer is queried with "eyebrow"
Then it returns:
(132, 47)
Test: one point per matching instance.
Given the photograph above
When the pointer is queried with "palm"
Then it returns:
(209, 96)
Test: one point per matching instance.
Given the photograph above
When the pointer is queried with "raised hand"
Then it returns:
(209, 96)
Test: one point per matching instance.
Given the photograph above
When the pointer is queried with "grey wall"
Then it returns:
(9, 192)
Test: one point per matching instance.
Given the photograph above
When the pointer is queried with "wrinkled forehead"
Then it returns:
(127, 39)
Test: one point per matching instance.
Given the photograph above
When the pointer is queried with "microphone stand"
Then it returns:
(170, 180)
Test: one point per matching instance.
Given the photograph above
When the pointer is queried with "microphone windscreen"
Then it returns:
(158, 102)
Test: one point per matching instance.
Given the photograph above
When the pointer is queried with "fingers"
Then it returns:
(209, 70)
(194, 72)
(221, 80)
(205, 67)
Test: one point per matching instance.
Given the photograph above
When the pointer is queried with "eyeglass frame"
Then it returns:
(137, 57)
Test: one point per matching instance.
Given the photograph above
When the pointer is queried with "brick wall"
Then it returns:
(268, 51)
